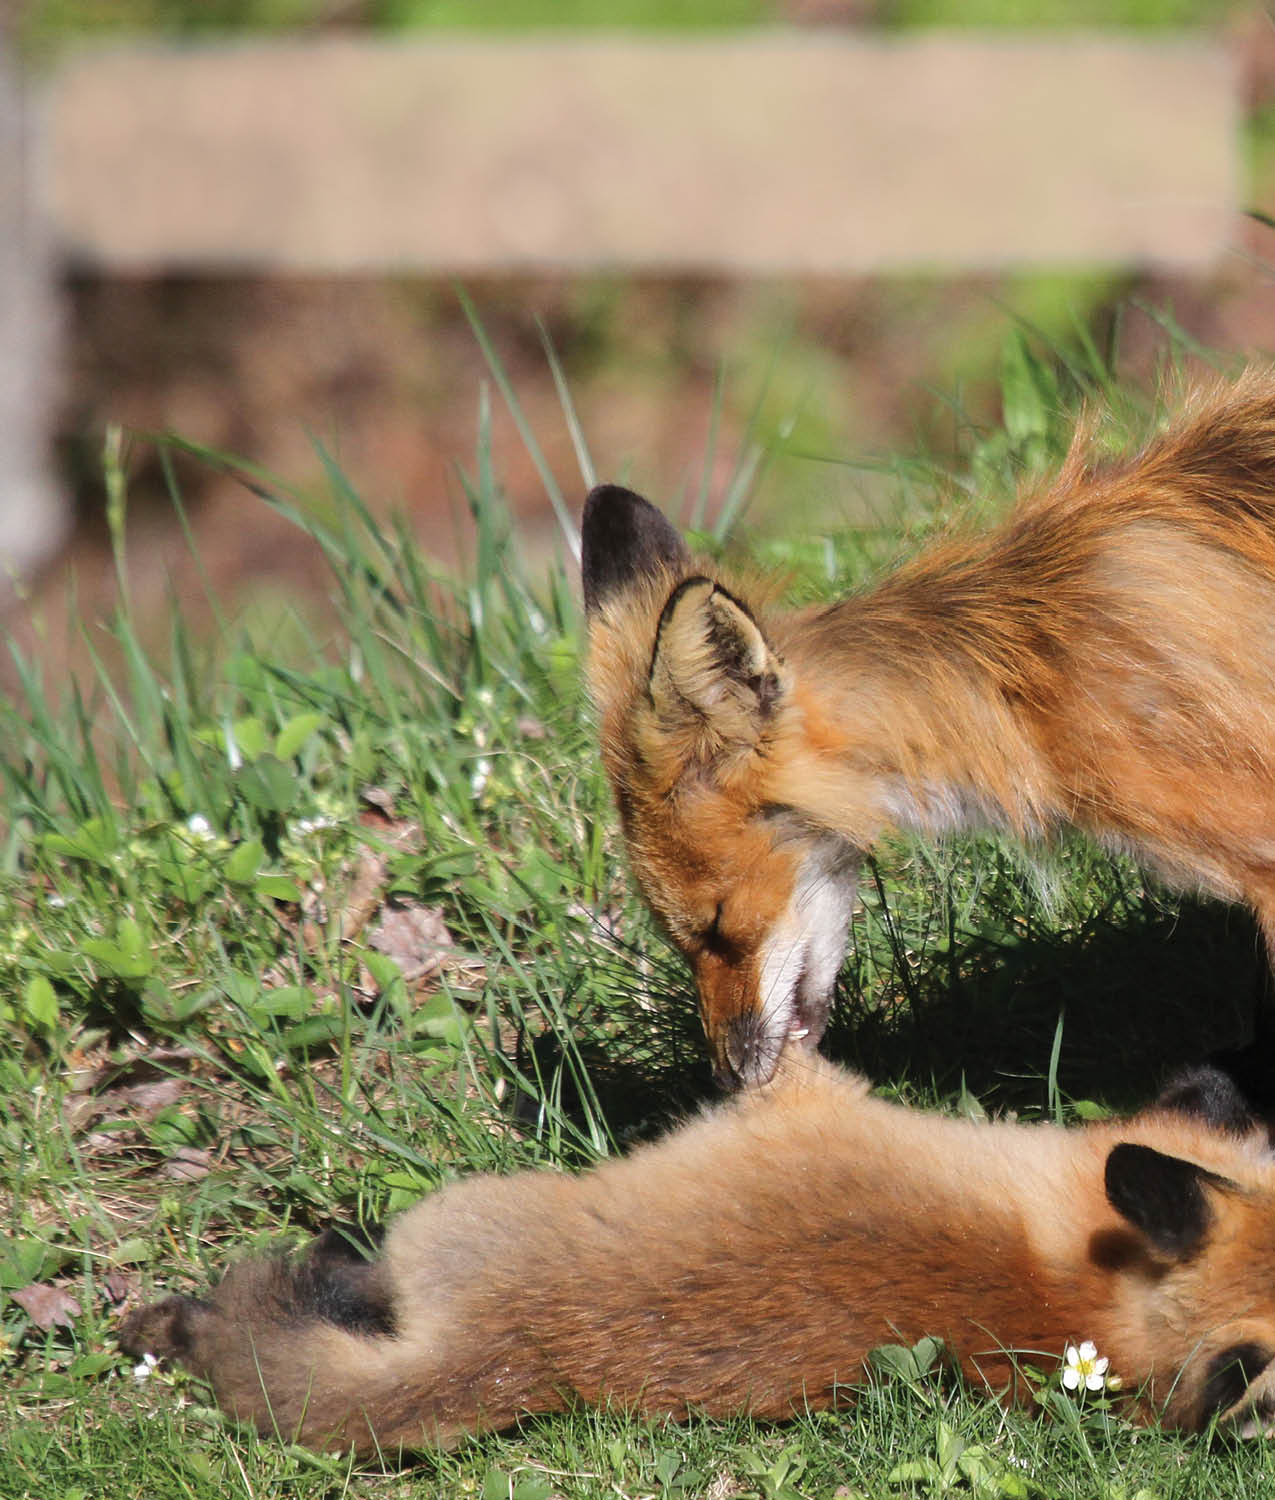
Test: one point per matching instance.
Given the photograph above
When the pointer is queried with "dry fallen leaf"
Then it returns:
(380, 798)
(187, 1164)
(48, 1306)
(415, 937)
(364, 894)
(118, 1285)
(149, 1099)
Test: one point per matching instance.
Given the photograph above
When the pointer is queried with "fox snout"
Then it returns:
(746, 1053)
(744, 1039)
(756, 1002)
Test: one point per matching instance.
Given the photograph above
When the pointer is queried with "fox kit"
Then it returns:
(751, 1260)
(1106, 658)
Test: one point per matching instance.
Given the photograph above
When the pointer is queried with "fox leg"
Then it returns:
(333, 1350)
(299, 1348)
(306, 1349)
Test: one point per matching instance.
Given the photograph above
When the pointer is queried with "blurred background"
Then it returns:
(692, 363)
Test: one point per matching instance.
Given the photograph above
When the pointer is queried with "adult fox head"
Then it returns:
(702, 724)
(1102, 658)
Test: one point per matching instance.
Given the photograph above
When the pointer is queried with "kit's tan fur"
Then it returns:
(1105, 658)
(751, 1260)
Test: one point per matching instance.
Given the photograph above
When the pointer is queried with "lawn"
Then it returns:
(290, 936)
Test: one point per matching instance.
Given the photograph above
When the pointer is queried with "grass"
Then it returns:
(292, 940)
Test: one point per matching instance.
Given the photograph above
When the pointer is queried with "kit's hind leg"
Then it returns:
(299, 1347)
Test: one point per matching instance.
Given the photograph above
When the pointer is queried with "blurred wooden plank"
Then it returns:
(780, 152)
(34, 514)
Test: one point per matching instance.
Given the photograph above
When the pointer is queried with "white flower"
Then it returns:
(199, 828)
(146, 1369)
(304, 827)
(1084, 1367)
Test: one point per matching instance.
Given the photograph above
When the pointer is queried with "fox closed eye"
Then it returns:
(716, 940)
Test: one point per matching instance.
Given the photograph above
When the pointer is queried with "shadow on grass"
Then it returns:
(1138, 998)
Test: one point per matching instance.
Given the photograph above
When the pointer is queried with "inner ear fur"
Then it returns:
(1164, 1197)
(1228, 1379)
(713, 665)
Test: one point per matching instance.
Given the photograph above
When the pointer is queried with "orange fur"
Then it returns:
(752, 1259)
(1105, 658)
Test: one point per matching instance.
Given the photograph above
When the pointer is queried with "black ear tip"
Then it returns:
(623, 537)
(1211, 1095)
(613, 498)
(1123, 1159)
(1162, 1196)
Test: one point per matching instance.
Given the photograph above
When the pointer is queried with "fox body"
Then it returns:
(1105, 658)
(751, 1260)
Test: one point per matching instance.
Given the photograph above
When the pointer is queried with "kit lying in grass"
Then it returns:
(750, 1261)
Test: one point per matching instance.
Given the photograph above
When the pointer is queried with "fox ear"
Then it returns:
(713, 666)
(1208, 1094)
(1163, 1196)
(624, 538)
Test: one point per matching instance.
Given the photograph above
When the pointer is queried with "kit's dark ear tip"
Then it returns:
(607, 502)
(624, 538)
(1209, 1094)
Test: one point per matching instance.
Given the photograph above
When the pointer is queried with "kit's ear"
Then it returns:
(1238, 1384)
(624, 539)
(1209, 1094)
(1164, 1197)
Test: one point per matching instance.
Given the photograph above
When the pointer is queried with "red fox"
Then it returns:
(1105, 658)
(751, 1260)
